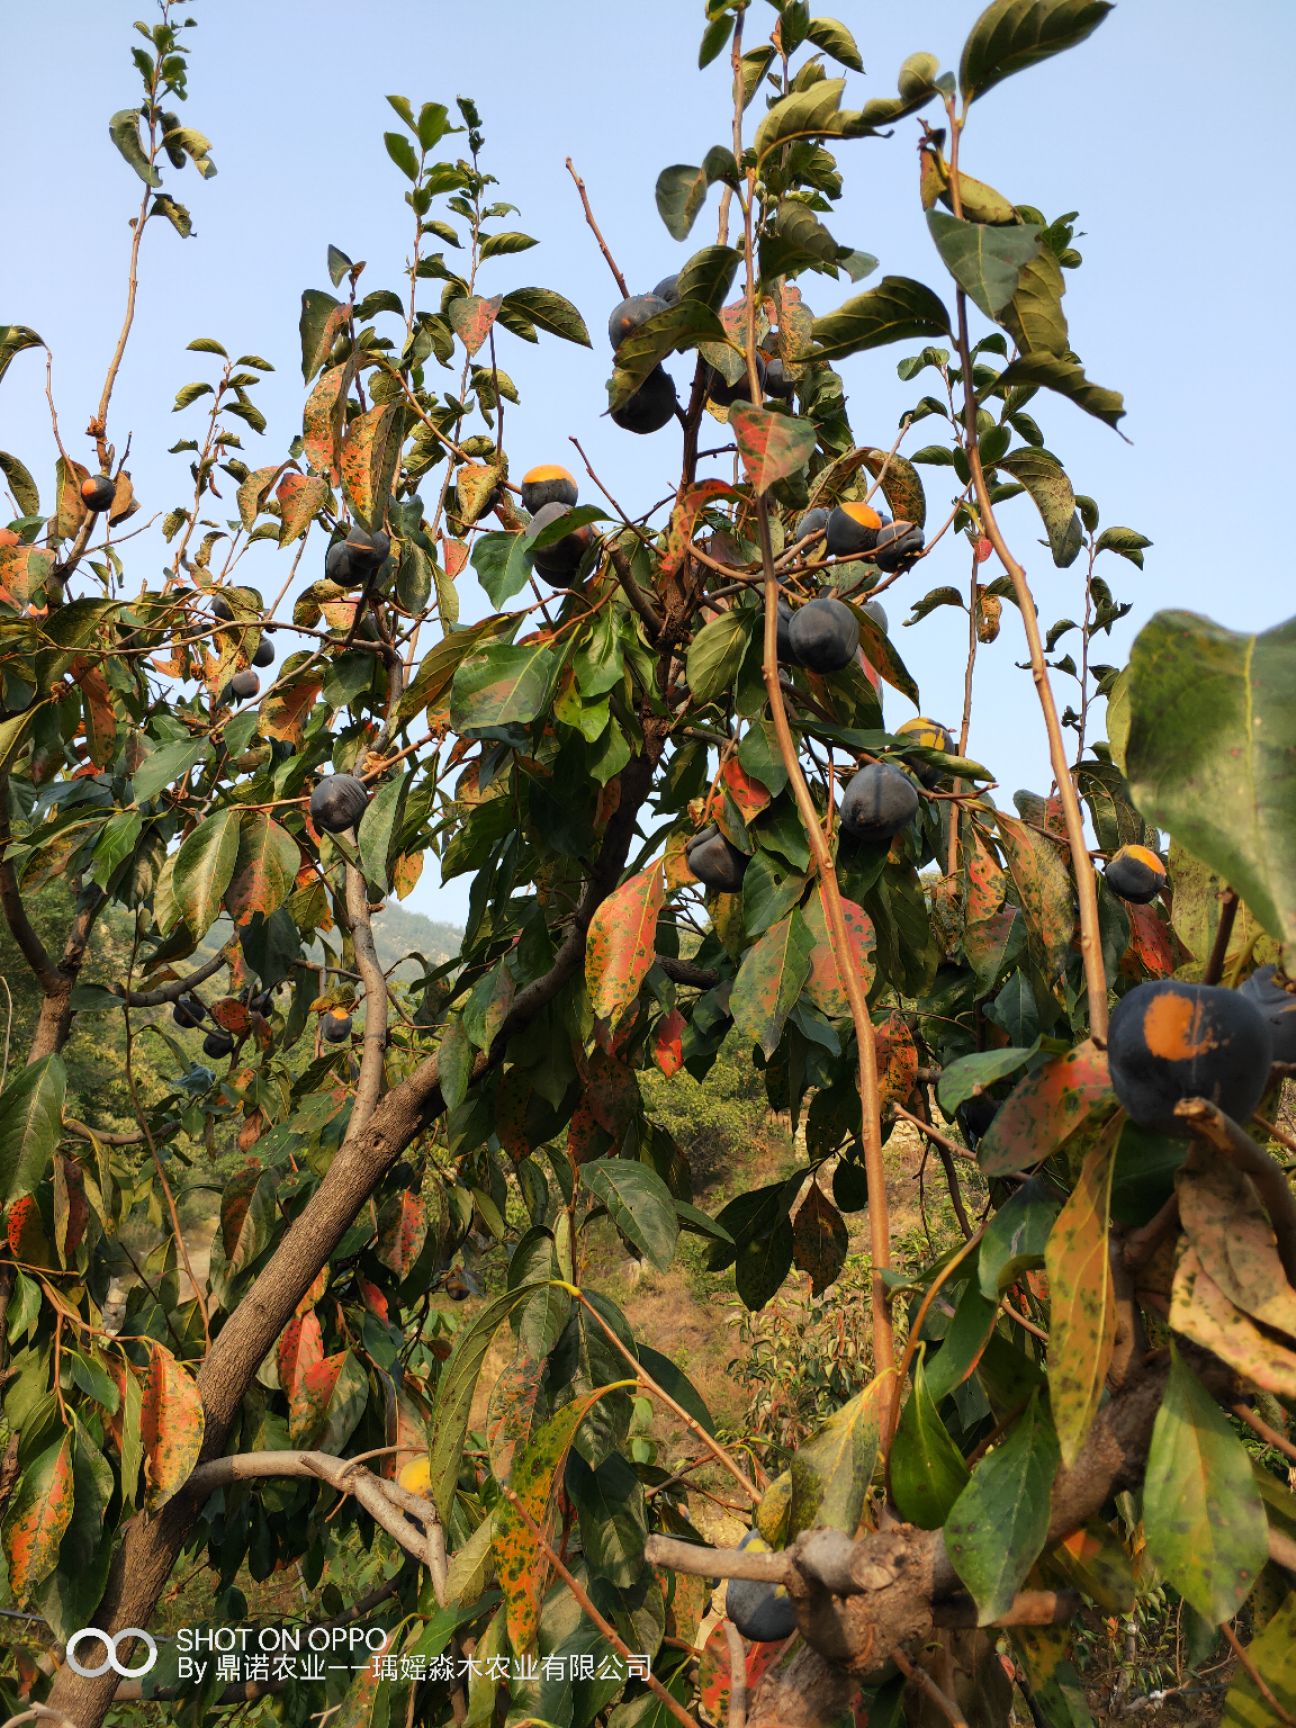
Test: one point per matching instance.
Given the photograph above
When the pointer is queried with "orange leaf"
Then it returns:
(172, 1422)
(826, 986)
(1045, 1109)
(38, 1518)
(621, 944)
(668, 1043)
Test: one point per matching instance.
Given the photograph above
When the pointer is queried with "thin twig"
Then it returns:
(597, 232)
(1258, 1425)
(1257, 1678)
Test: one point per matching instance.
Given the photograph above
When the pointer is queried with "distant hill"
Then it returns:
(399, 932)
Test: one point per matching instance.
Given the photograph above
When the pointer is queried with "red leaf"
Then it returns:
(826, 986)
(403, 1229)
(301, 1346)
(679, 534)
(300, 498)
(322, 421)
(747, 792)
(668, 1044)
(897, 1060)
(472, 318)
(454, 556)
(38, 1518)
(621, 943)
(1151, 947)
(772, 446)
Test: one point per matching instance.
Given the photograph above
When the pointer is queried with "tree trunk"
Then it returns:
(54, 1023)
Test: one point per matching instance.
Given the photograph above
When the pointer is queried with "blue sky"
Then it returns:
(1162, 131)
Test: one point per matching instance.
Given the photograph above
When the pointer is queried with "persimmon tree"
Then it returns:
(1107, 1363)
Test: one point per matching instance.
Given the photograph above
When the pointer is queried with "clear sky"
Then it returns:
(1163, 131)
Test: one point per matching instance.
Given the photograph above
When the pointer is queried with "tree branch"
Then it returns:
(175, 989)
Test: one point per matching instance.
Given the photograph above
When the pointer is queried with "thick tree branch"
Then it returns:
(175, 988)
(386, 1502)
(685, 972)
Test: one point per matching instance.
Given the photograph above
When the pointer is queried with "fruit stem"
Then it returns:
(1085, 879)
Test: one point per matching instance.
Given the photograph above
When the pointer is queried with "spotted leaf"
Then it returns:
(772, 446)
(264, 869)
(1082, 1329)
(621, 944)
(172, 1421)
(472, 319)
(1045, 1109)
(370, 453)
(826, 986)
(38, 1518)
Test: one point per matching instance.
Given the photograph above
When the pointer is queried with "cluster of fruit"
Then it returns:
(190, 1011)
(879, 800)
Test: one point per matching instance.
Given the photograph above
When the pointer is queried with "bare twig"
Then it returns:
(597, 232)
(922, 1679)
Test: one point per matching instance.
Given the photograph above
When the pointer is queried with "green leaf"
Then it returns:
(835, 39)
(1011, 35)
(985, 261)
(1212, 752)
(190, 393)
(681, 191)
(770, 980)
(997, 1527)
(14, 338)
(402, 154)
(1273, 1655)
(502, 565)
(204, 867)
(124, 130)
(1128, 542)
(167, 764)
(684, 325)
(714, 38)
(918, 84)
(716, 653)
(1054, 372)
(639, 1204)
(1016, 1237)
(896, 310)
(927, 1469)
(195, 146)
(506, 243)
(831, 1473)
(25, 491)
(1202, 1512)
(31, 1121)
(772, 446)
(708, 275)
(968, 1075)
(378, 827)
(810, 113)
(455, 1386)
(321, 318)
(549, 312)
(1082, 1327)
(1045, 479)
(502, 686)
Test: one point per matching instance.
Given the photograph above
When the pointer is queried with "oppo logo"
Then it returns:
(112, 1644)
